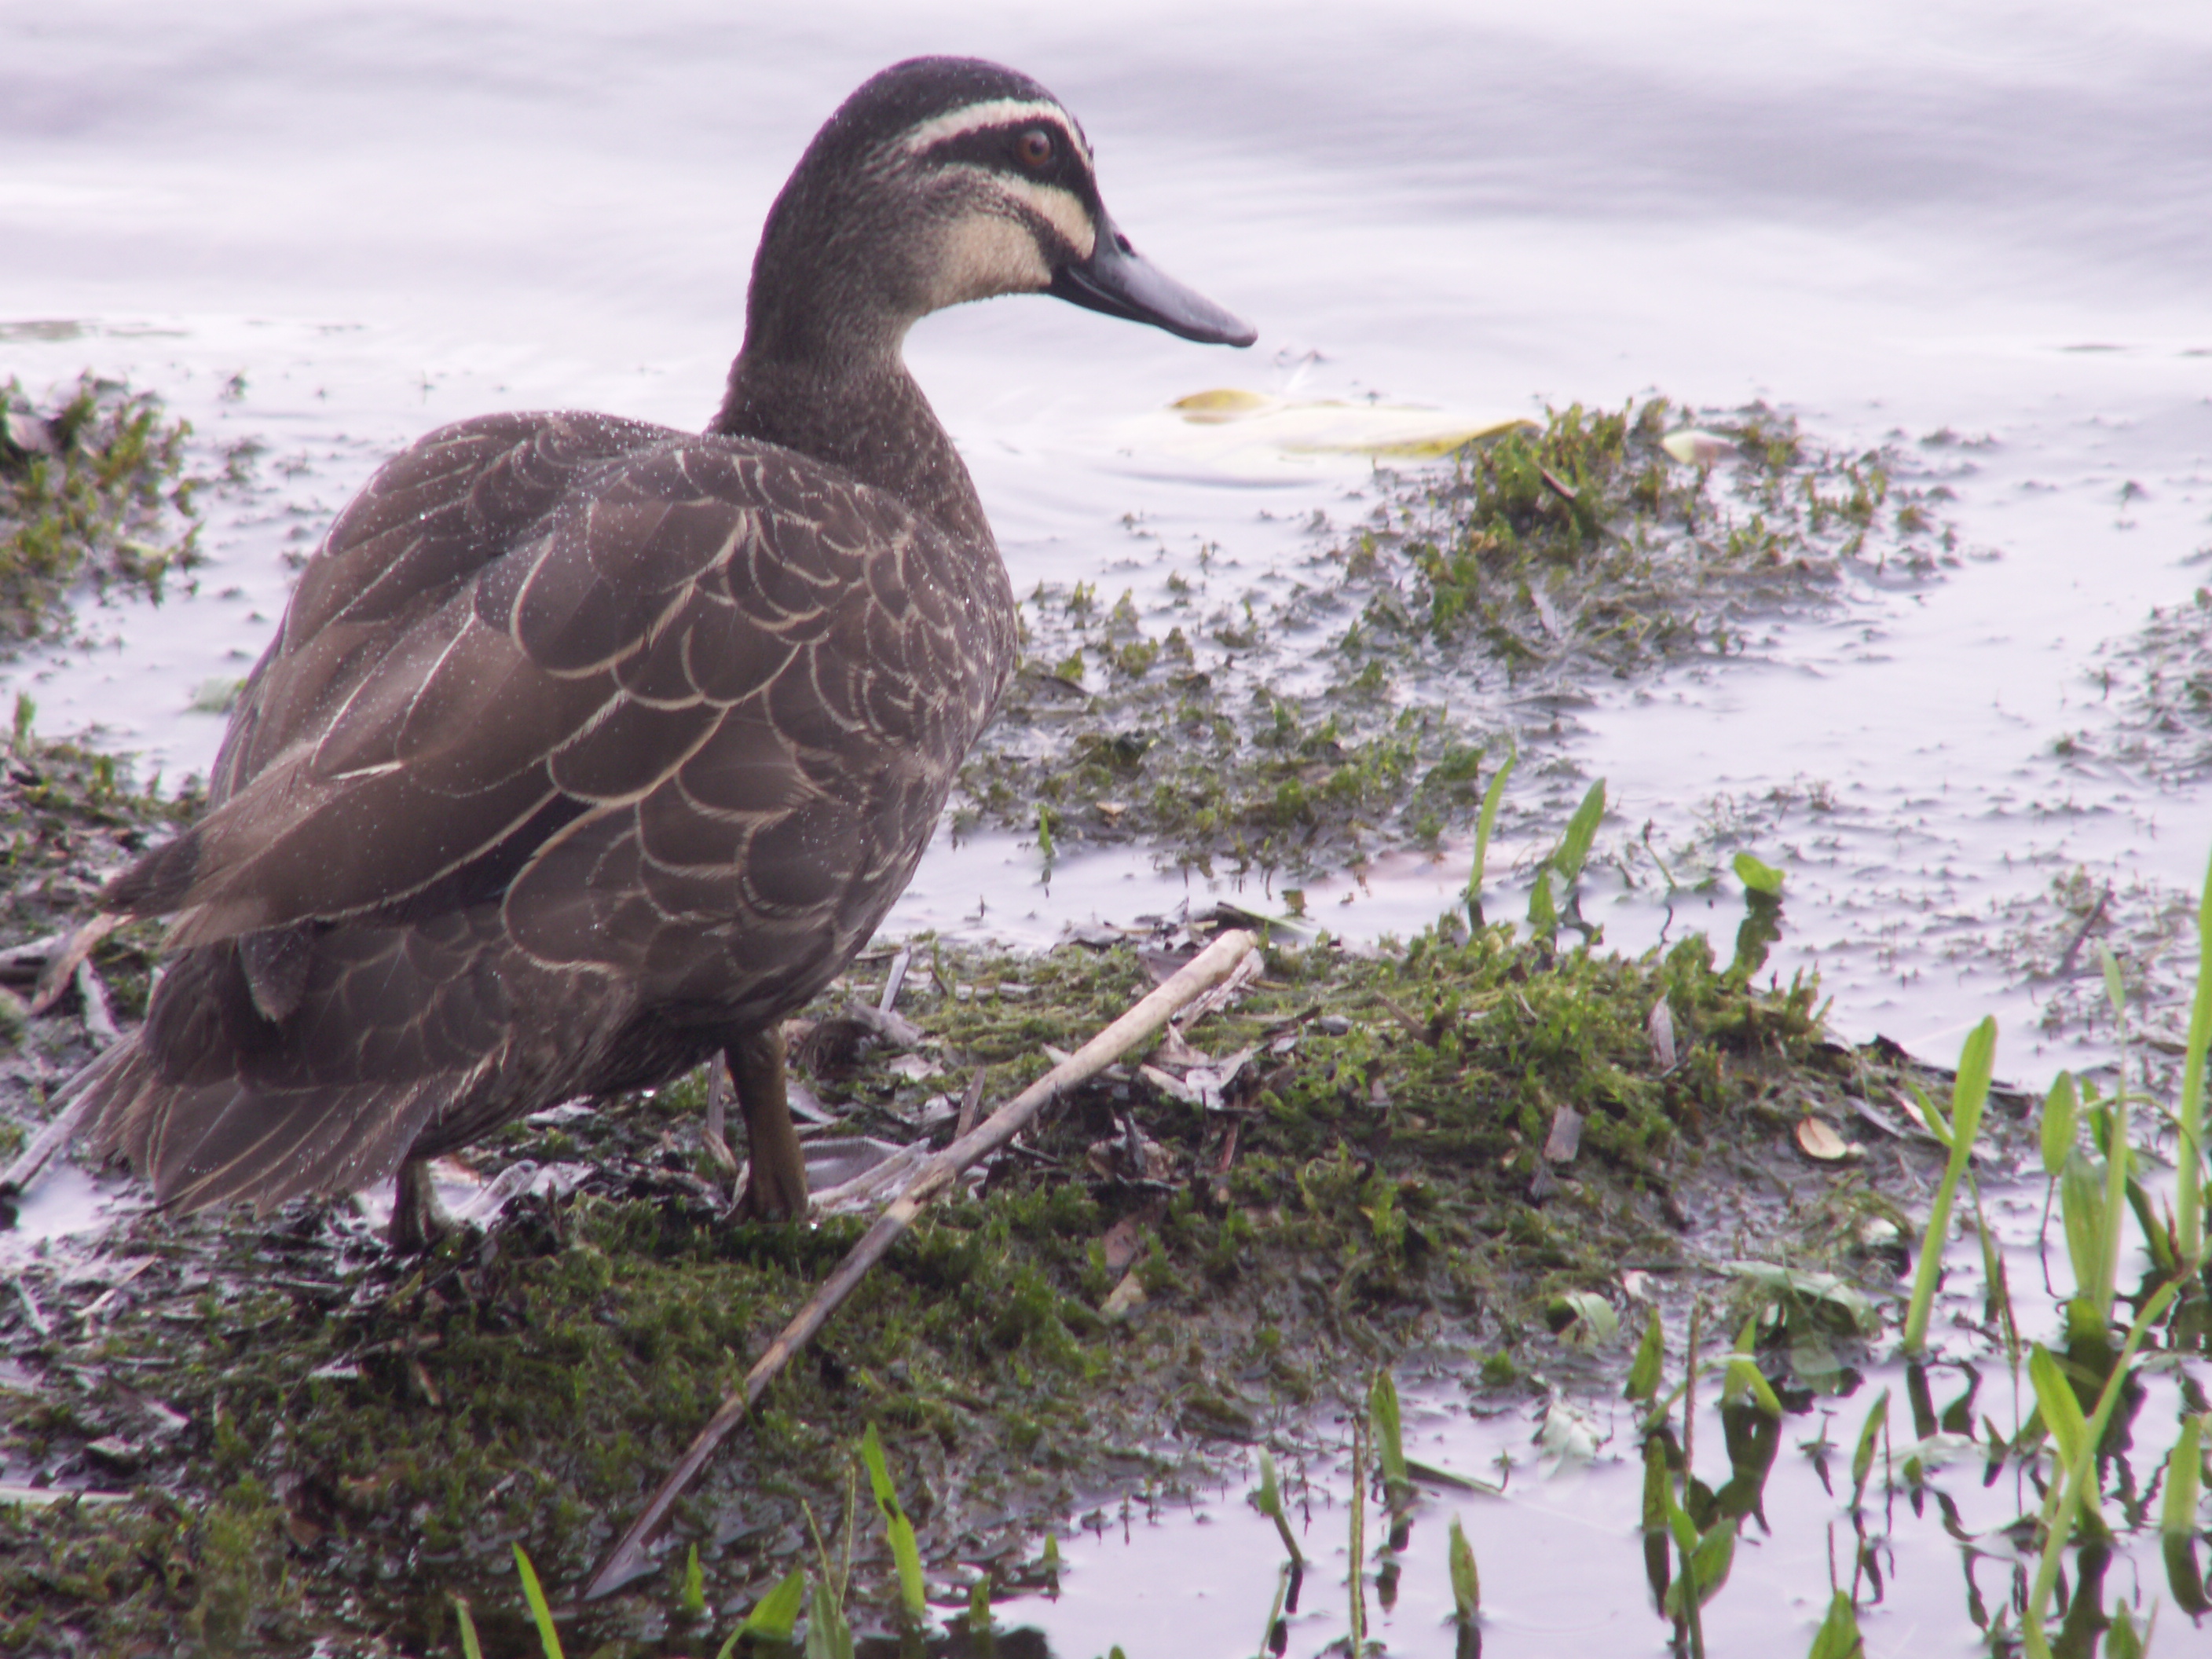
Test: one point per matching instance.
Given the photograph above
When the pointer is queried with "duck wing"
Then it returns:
(582, 744)
(589, 664)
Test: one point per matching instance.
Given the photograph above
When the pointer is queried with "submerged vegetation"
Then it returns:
(92, 492)
(1357, 702)
(2157, 687)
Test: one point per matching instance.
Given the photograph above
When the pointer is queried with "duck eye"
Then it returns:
(1034, 149)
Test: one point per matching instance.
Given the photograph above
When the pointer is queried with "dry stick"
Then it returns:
(74, 1101)
(60, 970)
(1209, 968)
(716, 1126)
(895, 978)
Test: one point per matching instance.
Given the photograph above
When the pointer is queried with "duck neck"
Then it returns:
(868, 417)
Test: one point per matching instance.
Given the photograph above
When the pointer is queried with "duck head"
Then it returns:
(942, 180)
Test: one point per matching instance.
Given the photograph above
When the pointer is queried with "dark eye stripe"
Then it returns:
(999, 148)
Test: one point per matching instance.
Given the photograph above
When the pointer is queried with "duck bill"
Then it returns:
(1119, 281)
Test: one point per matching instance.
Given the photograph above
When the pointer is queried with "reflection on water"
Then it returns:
(1921, 1521)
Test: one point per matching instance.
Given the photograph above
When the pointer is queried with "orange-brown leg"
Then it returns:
(777, 1189)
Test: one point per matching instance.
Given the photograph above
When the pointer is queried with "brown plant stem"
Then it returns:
(627, 1559)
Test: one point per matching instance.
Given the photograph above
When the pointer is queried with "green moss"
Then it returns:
(367, 1434)
(1359, 710)
(92, 492)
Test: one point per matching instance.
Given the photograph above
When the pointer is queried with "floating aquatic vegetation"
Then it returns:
(1361, 699)
(92, 492)
(2156, 690)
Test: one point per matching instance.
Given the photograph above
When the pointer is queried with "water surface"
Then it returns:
(318, 229)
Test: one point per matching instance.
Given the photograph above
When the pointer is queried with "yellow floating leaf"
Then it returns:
(1223, 404)
(1321, 427)
(1695, 448)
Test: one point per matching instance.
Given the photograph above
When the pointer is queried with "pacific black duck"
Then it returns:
(588, 748)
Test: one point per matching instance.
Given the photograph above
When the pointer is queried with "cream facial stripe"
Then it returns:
(1057, 207)
(997, 112)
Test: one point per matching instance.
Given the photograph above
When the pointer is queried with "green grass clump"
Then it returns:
(1363, 702)
(92, 492)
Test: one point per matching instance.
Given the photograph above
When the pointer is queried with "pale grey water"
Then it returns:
(1890, 219)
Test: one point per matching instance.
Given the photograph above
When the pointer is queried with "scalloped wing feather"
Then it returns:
(584, 744)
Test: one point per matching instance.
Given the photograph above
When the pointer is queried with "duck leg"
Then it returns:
(418, 1220)
(775, 1190)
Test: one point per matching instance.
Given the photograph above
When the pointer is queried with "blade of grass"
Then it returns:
(1877, 1419)
(2126, 1640)
(2189, 1213)
(1933, 1116)
(2064, 1503)
(1466, 1582)
(691, 1599)
(471, 1648)
(2054, 1397)
(1389, 1442)
(827, 1635)
(1650, 1354)
(772, 1616)
(1582, 830)
(2185, 1475)
(2081, 1220)
(1269, 1497)
(1976, 1061)
(905, 1551)
(1485, 822)
(1706, 1559)
(1563, 866)
(540, 1614)
(2116, 1147)
(2062, 1109)
(1757, 874)
(1838, 1636)
(1359, 1596)
(1743, 1376)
